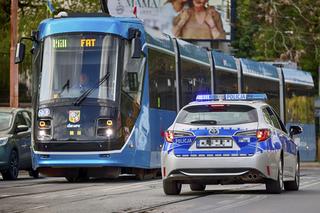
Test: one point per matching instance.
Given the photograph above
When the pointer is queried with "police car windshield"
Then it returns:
(217, 115)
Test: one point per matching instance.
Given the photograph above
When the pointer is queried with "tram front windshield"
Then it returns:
(75, 63)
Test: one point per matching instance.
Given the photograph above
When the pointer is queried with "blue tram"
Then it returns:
(105, 89)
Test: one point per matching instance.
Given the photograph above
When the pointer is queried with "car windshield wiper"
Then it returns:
(90, 90)
(209, 122)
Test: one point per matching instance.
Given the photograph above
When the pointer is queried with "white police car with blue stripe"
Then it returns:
(229, 139)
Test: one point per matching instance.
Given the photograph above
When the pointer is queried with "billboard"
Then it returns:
(186, 19)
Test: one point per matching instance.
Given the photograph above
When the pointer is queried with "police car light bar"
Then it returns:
(232, 97)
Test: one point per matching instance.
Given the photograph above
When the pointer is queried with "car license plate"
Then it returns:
(214, 143)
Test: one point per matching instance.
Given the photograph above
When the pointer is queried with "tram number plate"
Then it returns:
(214, 143)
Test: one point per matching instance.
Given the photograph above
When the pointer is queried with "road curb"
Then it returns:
(310, 164)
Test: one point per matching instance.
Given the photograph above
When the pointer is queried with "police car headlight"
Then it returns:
(3, 141)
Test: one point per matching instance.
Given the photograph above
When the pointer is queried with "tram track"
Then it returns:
(205, 194)
(76, 187)
(227, 205)
(245, 197)
(26, 185)
(122, 190)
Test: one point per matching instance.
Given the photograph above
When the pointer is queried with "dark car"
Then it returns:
(15, 142)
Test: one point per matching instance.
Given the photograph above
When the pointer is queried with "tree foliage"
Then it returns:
(285, 30)
(30, 14)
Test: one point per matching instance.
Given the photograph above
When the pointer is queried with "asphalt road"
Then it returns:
(129, 195)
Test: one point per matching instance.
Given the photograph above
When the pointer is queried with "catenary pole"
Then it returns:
(14, 82)
(318, 126)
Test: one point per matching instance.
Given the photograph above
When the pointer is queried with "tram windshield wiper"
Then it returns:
(66, 85)
(209, 122)
(90, 90)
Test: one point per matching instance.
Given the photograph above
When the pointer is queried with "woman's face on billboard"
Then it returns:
(199, 3)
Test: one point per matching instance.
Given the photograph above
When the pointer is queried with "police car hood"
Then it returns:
(214, 129)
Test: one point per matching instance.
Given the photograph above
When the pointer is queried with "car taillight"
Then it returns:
(169, 136)
(263, 134)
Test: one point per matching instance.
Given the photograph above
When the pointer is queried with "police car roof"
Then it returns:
(238, 98)
(255, 103)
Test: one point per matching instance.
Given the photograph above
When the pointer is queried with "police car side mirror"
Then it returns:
(295, 130)
(20, 53)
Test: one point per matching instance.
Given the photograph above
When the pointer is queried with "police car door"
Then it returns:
(287, 143)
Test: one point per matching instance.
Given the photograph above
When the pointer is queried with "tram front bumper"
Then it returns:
(77, 160)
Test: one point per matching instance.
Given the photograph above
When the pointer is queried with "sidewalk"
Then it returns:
(310, 164)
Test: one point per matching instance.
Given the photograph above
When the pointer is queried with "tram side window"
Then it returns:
(162, 80)
(195, 80)
(226, 81)
(299, 104)
(260, 85)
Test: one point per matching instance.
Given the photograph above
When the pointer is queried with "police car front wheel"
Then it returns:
(171, 187)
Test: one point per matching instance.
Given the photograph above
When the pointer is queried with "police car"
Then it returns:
(229, 139)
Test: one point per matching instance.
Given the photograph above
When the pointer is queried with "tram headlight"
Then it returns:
(44, 134)
(106, 132)
(44, 124)
(105, 128)
(44, 129)
(109, 133)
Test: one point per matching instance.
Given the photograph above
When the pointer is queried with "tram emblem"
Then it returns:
(74, 116)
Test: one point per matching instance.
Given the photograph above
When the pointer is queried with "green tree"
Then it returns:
(279, 30)
(30, 14)
(4, 50)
